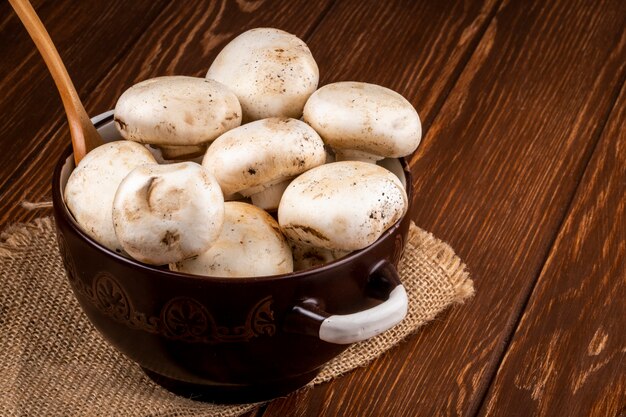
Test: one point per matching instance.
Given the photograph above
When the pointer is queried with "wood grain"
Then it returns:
(415, 48)
(513, 103)
(8, 20)
(494, 177)
(183, 40)
(90, 36)
(84, 136)
(568, 356)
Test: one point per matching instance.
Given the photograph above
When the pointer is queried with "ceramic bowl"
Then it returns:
(231, 340)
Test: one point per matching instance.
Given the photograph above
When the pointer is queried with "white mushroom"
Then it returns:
(363, 121)
(181, 115)
(250, 244)
(258, 159)
(341, 206)
(272, 72)
(167, 213)
(90, 190)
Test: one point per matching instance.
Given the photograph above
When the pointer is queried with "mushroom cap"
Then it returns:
(176, 111)
(364, 117)
(262, 153)
(272, 72)
(90, 190)
(167, 213)
(250, 244)
(342, 205)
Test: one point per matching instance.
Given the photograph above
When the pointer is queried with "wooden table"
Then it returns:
(522, 169)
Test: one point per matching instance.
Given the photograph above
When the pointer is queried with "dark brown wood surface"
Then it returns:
(519, 170)
(494, 177)
(89, 39)
(569, 352)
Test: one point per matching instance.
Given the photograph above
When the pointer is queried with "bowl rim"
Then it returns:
(62, 209)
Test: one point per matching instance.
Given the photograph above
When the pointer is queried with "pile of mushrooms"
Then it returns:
(192, 187)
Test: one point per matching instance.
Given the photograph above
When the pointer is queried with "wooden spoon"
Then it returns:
(85, 137)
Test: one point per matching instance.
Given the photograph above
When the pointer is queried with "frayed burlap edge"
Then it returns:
(432, 274)
(15, 238)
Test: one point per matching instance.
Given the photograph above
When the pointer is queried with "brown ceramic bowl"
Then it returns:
(230, 340)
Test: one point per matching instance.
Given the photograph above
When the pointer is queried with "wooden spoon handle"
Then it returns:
(85, 137)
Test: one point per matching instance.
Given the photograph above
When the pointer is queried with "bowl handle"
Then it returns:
(384, 282)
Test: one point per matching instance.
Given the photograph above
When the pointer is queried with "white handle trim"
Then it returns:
(356, 327)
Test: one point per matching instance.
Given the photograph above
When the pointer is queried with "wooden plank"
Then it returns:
(415, 48)
(7, 18)
(183, 40)
(494, 177)
(31, 107)
(568, 356)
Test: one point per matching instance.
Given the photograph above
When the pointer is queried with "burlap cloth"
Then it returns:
(54, 363)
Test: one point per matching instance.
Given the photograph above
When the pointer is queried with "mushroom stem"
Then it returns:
(234, 197)
(354, 155)
(269, 198)
(182, 152)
